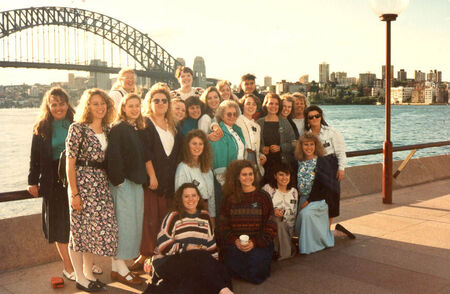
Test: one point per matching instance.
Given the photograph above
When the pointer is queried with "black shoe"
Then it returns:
(99, 284)
(345, 231)
(92, 287)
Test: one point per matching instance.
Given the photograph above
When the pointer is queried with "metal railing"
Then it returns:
(19, 195)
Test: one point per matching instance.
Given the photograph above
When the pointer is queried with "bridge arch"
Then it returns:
(154, 59)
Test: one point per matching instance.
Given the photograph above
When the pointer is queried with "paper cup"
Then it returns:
(244, 239)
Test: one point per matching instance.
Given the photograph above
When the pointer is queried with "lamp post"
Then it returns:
(388, 10)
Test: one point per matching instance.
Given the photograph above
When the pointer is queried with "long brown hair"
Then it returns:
(308, 137)
(205, 159)
(178, 199)
(121, 116)
(204, 99)
(232, 188)
(43, 126)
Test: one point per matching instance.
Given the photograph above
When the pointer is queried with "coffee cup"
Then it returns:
(244, 239)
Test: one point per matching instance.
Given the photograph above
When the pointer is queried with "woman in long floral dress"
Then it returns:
(93, 226)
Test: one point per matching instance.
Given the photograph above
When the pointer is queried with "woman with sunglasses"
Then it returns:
(232, 145)
(334, 145)
(163, 142)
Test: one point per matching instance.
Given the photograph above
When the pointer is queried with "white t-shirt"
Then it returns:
(102, 138)
(167, 139)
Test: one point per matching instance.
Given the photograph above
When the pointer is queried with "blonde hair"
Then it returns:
(83, 115)
(308, 137)
(121, 115)
(222, 83)
(122, 73)
(147, 108)
(298, 95)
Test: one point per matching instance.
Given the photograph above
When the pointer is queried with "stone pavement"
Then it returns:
(399, 248)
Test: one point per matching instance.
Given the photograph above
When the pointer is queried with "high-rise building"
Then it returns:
(434, 76)
(333, 77)
(383, 72)
(367, 79)
(199, 72)
(324, 73)
(304, 79)
(430, 95)
(401, 75)
(401, 94)
(419, 76)
(267, 81)
(99, 79)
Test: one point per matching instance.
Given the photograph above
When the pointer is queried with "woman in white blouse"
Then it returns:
(251, 131)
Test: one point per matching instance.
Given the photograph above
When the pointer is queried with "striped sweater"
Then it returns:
(252, 216)
(177, 233)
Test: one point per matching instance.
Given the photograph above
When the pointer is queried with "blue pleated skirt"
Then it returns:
(313, 228)
(129, 208)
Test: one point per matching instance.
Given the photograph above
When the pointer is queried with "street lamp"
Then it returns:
(388, 10)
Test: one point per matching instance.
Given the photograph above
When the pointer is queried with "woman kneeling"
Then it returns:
(185, 259)
(246, 226)
(315, 181)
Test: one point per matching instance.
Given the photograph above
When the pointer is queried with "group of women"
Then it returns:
(175, 179)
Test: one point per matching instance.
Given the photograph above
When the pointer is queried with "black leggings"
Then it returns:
(194, 271)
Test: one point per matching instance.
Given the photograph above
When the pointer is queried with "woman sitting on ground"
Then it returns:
(246, 226)
(186, 255)
(314, 177)
(285, 200)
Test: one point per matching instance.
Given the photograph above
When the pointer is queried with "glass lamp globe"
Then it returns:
(383, 7)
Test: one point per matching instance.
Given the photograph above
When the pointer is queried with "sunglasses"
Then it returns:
(231, 114)
(157, 101)
(314, 116)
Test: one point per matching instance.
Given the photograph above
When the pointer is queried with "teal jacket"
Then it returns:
(225, 150)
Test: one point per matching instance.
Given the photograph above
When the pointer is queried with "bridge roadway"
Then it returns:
(399, 248)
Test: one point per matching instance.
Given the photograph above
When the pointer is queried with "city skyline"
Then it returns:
(284, 40)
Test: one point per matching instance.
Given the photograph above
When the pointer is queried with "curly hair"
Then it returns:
(290, 98)
(43, 126)
(178, 199)
(204, 99)
(121, 75)
(232, 188)
(308, 137)
(140, 122)
(147, 107)
(84, 115)
(224, 105)
(205, 159)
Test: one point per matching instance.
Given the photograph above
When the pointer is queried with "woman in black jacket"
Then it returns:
(49, 137)
(127, 173)
(163, 142)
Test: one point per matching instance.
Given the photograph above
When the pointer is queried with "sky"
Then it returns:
(284, 39)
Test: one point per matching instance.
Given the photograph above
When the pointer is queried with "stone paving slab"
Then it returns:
(400, 248)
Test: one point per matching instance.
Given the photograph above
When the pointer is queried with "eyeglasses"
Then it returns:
(157, 101)
(314, 116)
(231, 114)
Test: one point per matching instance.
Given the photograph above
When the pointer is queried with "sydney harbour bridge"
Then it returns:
(72, 38)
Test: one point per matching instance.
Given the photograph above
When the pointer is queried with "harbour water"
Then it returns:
(361, 125)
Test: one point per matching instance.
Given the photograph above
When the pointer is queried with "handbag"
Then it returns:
(62, 175)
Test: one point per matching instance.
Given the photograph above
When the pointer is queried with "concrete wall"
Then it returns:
(366, 179)
(22, 243)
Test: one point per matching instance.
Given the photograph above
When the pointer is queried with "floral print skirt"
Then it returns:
(94, 229)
